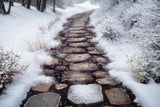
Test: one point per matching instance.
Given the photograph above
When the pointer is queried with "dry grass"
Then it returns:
(38, 44)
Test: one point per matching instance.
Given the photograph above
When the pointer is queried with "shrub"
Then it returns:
(144, 68)
(9, 66)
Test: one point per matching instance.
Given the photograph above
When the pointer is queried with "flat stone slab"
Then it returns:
(77, 57)
(76, 28)
(108, 81)
(74, 35)
(78, 32)
(101, 60)
(100, 74)
(81, 44)
(77, 77)
(60, 86)
(95, 52)
(76, 39)
(44, 100)
(74, 50)
(118, 96)
(41, 88)
(83, 67)
(60, 68)
(85, 94)
(61, 55)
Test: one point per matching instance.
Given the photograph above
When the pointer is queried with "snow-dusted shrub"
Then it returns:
(134, 24)
(9, 66)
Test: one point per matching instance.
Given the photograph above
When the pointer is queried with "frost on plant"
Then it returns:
(9, 66)
(145, 68)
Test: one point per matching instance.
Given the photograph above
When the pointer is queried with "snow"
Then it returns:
(20, 32)
(122, 47)
(85, 94)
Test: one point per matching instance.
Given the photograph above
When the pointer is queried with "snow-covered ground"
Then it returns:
(126, 30)
(20, 32)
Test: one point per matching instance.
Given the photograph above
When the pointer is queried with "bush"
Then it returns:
(9, 66)
(144, 69)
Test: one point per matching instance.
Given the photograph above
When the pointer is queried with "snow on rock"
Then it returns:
(85, 94)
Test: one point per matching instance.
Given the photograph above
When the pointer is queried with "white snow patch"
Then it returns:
(85, 94)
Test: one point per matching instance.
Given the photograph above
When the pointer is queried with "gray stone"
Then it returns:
(78, 45)
(74, 35)
(78, 32)
(101, 60)
(76, 39)
(61, 55)
(118, 96)
(77, 57)
(85, 94)
(108, 81)
(95, 52)
(76, 28)
(44, 100)
(83, 67)
(100, 74)
(77, 77)
(74, 50)
(60, 68)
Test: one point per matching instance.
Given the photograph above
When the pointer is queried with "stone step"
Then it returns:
(82, 67)
(74, 50)
(77, 57)
(85, 94)
(44, 100)
(77, 77)
(118, 96)
(82, 39)
(79, 45)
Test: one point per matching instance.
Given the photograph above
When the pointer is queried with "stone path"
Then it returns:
(79, 68)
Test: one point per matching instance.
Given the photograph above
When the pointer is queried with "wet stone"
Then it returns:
(44, 100)
(76, 28)
(118, 96)
(91, 48)
(74, 50)
(60, 86)
(60, 68)
(74, 35)
(95, 52)
(100, 74)
(83, 67)
(85, 94)
(108, 81)
(77, 77)
(76, 39)
(61, 55)
(78, 45)
(41, 88)
(77, 57)
(78, 32)
(101, 60)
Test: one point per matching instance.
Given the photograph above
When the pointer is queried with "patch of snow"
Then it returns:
(85, 94)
